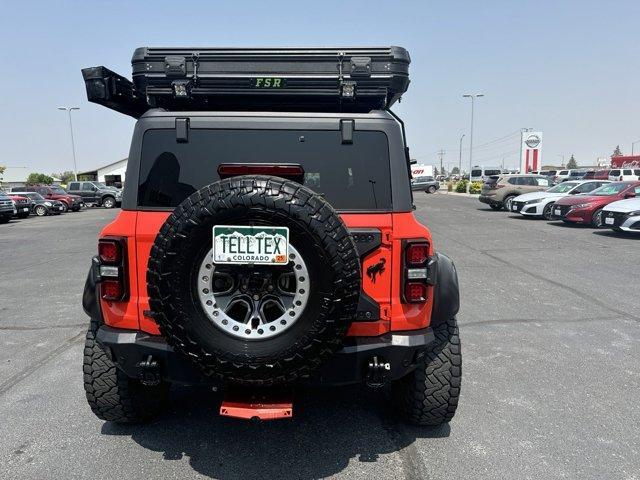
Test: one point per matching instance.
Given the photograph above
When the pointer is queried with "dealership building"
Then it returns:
(111, 174)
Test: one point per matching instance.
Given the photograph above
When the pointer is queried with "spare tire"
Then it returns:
(254, 324)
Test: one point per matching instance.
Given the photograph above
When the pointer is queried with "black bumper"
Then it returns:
(401, 350)
(488, 200)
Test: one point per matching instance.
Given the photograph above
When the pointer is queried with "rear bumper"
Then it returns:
(349, 365)
(489, 200)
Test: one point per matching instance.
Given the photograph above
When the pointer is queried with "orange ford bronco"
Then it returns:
(267, 236)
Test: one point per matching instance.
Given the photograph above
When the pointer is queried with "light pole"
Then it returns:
(73, 145)
(473, 97)
(558, 155)
(632, 144)
(460, 157)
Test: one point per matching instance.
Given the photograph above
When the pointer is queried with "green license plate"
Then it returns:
(241, 244)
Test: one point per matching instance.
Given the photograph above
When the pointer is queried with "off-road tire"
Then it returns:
(112, 395)
(316, 231)
(429, 395)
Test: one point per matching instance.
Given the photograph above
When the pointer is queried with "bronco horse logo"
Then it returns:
(376, 269)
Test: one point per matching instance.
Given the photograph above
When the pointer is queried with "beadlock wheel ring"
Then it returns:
(249, 315)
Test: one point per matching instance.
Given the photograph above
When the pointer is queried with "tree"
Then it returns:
(66, 176)
(572, 163)
(35, 178)
(617, 152)
(455, 171)
(435, 171)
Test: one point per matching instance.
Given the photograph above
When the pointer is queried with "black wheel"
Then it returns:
(507, 202)
(596, 219)
(262, 324)
(495, 207)
(546, 213)
(40, 210)
(109, 202)
(429, 395)
(431, 189)
(111, 394)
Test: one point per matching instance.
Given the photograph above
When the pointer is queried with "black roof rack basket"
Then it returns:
(259, 79)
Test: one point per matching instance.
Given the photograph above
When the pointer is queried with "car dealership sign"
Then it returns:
(531, 148)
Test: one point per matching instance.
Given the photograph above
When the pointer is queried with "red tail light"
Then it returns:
(113, 268)
(416, 254)
(110, 251)
(415, 271)
(415, 292)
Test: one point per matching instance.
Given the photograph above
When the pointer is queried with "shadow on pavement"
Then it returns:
(330, 428)
(614, 234)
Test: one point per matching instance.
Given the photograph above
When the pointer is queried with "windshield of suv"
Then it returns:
(350, 176)
(609, 189)
(563, 187)
(58, 190)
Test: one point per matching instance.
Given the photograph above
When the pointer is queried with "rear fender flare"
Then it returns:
(446, 296)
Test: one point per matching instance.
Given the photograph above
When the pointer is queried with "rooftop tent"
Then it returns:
(259, 79)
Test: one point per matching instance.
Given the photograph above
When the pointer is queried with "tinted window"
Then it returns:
(614, 172)
(87, 186)
(477, 173)
(74, 186)
(350, 176)
(627, 172)
(563, 172)
(637, 190)
(514, 181)
(636, 172)
(492, 172)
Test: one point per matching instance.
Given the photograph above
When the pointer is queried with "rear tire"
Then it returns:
(507, 202)
(112, 395)
(429, 395)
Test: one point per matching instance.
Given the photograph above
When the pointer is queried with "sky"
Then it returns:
(570, 69)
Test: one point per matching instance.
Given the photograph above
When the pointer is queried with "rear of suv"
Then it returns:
(499, 190)
(259, 250)
(96, 193)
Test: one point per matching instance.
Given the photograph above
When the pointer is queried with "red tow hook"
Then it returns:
(257, 404)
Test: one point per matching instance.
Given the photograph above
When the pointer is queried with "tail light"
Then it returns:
(113, 271)
(415, 271)
(292, 171)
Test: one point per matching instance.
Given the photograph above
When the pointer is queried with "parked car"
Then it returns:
(499, 190)
(96, 193)
(624, 174)
(586, 208)
(23, 205)
(596, 175)
(7, 208)
(481, 174)
(54, 193)
(425, 184)
(561, 175)
(623, 215)
(42, 206)
(540, 204)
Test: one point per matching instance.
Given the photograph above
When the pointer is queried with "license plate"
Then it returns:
(558, 212)
(241, 244)
(608, 221)
(25, 209)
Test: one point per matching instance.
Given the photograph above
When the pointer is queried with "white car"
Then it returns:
(622, 215)
(624, 174)
(540, 204)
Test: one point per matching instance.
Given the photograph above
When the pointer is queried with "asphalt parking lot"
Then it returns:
(551, 369)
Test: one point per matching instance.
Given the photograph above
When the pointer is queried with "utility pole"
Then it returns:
(73, 145)
(473, 97)
(441, 155)
(460, 157)
(632, 145)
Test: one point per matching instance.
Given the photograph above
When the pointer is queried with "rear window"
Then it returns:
(476, 173)
(492, 172)
(614, 172)
(350, 176)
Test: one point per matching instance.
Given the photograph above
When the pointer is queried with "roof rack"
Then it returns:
(259, 79)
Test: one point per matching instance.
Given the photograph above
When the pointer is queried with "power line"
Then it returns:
(491, 144)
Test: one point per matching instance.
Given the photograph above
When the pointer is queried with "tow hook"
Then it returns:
(149, 372)
(377, 373)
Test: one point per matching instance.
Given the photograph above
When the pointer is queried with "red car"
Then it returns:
(587, 208)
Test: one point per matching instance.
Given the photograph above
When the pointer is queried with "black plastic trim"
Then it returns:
(446, 300)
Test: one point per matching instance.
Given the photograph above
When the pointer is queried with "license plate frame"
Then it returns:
(250, 245)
